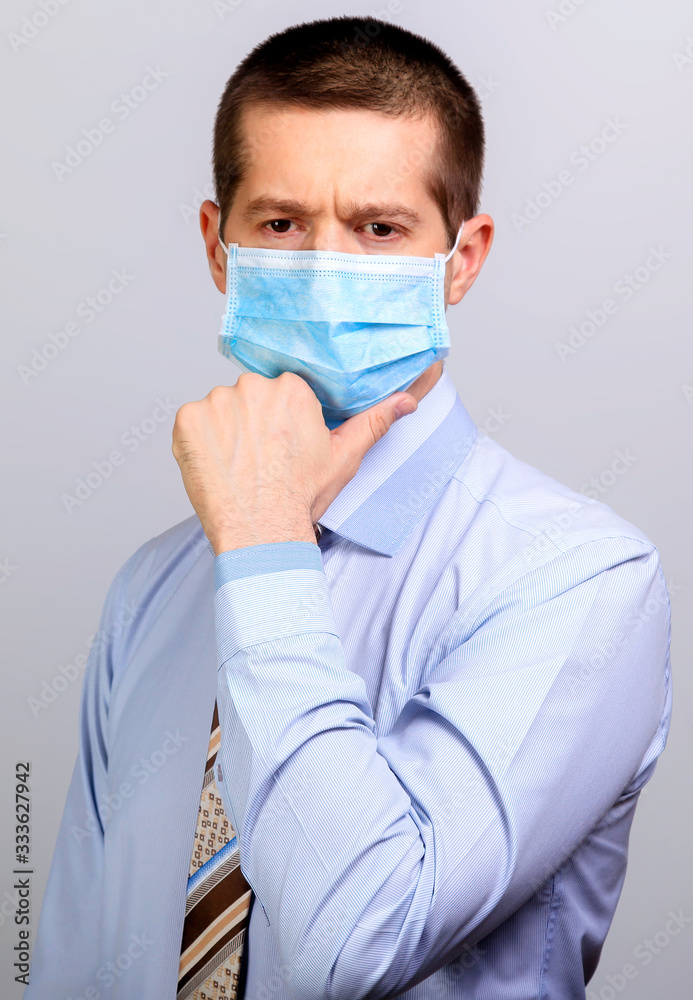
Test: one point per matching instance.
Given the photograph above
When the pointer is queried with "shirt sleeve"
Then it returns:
(378, 859)
(66, 943)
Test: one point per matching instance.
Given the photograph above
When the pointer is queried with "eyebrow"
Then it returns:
(285, 208)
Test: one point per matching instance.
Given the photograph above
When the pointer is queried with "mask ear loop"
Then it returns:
(223, 245)
(457, 243)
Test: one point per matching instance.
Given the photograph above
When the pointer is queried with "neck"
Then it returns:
(425, 382)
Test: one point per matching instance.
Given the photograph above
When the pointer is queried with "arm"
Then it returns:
(67, 937)
(377, 860)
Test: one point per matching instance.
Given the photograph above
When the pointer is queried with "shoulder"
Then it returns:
(521, 538)
(543, 515)
(166, 555)
(180, 555)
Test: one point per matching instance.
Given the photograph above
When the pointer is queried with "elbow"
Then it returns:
(360, 947)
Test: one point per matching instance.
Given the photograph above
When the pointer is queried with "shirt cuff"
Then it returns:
(269, 557)
(266, 592)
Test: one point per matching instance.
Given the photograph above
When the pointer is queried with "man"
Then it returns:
(441, 677)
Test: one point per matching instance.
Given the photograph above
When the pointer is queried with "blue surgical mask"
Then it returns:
(356, 327)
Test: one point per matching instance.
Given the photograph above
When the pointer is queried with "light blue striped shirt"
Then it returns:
(435, 727)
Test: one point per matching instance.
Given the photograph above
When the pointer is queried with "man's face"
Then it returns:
(338, 180)
(349, 181)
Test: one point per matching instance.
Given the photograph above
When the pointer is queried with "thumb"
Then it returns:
(360, 432)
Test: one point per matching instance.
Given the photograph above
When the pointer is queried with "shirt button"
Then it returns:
(219, 774)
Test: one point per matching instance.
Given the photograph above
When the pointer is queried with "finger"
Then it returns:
(360, 432)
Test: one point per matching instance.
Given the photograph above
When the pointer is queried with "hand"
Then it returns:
(259, 464)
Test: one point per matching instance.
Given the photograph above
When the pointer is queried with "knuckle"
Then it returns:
(379, 424)
(219, 397)
(181, 414)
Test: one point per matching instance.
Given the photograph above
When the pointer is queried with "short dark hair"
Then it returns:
(362, 63)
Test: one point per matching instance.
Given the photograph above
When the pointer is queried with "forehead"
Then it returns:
(304, 151)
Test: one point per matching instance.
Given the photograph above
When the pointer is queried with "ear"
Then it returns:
(209, 223)
(466, 262)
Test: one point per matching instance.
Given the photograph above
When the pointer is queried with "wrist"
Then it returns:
(263, 535)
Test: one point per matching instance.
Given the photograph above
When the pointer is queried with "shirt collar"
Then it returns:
(404, 472)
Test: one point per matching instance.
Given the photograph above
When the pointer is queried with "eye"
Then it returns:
(378, 228)
(279, 225)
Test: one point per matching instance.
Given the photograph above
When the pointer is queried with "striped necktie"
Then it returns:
(218, 897)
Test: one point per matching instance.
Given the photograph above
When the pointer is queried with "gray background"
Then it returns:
(547, 88)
